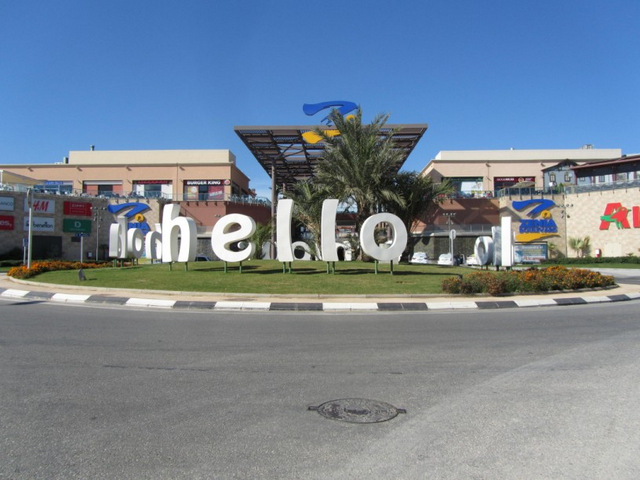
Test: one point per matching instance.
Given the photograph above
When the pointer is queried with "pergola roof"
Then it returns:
(283, 150)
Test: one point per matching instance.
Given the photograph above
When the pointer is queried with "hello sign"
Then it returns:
(175, 240)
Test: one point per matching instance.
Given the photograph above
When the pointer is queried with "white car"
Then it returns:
(420, 257)
(472, 260)
(445, 259)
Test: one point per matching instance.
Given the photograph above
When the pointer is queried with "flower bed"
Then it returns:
(49, 265)
(525, 281)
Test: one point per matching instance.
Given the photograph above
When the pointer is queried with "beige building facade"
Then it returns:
(609, 218)
(169, 174)
(76, 200)
(476, 173)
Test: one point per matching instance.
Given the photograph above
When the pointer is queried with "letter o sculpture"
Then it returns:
(484, 250)
(368, 241)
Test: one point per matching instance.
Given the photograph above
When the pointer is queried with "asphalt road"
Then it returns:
(622, 275)
(133, 394)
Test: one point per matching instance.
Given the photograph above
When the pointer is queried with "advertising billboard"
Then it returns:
(80, 209)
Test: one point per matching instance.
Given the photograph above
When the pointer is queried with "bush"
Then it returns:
(523, 281)
(23, 272)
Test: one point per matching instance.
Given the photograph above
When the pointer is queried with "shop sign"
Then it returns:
(81, 209)
(6, 222)
(133, 212)
(540, 224)
(530, 252)
(41, 205)
(76, 226)
(40, 224)
(152, 182)
(6, 204)
(190, 183)
(514, 179)
(616, 213)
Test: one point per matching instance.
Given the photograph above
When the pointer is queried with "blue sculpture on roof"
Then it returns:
(342, 106)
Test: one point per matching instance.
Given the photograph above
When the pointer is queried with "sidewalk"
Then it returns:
(12, 288)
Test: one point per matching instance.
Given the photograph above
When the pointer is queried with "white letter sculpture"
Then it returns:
(483, 250)
(368, 241)
(135, 243)
(283, 230)
(329, 248)
(497, 250)
(506, 242)
(173, 226)
(221, 238)
(118, 238)
(153, 243)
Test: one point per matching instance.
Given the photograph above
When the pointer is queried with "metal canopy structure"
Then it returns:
(287, 157)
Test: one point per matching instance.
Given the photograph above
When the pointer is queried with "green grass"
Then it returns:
(266, 277)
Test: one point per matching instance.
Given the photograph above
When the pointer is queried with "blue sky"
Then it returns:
(140, 74)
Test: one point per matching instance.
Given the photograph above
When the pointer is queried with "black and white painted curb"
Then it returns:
(313, 306)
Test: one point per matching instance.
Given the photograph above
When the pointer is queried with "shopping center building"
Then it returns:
(77, 198)
(475, 173)
(551, 195)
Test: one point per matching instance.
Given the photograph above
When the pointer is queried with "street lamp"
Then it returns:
(452, 233)
(565, 215)
(98, 221)
(29, 240)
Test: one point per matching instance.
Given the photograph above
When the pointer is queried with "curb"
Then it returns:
(246, 306)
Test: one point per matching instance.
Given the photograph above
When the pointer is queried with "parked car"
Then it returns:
(202, 258)
(445, 259)
(472, 260)
(420, 257)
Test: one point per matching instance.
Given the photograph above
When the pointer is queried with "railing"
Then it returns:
(618, 185)
(473, 228)
(475, 194)
(202, 197)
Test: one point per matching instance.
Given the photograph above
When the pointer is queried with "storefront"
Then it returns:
(205, 189)
(152, 188)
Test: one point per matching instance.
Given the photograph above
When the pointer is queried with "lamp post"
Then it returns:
(452, 233)
(98, 221)
(565, 215)
(30, 238)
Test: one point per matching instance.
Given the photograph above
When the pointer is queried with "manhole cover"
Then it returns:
(358, 410)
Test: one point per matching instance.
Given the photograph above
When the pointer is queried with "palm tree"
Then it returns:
(580, 245)
(418, 194)
(260, 237)
(358, 165)
(307, 197)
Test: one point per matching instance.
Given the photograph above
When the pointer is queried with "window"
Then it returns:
(568, 178)
(204, 189)
(152, 188)
(552, 177)
(106, 190)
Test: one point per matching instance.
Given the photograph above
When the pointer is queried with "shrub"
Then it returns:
(37, 268)
(452, 285)
(531, 280)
